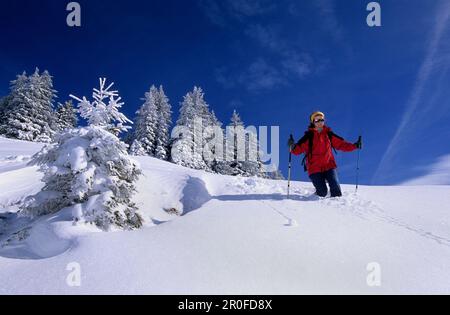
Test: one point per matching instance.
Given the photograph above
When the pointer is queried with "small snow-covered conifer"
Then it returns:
(89, 169)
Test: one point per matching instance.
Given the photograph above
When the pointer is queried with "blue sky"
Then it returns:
(273, 61)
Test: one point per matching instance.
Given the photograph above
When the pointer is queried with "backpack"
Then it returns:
(309, 136)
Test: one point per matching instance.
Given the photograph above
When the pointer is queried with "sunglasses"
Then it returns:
(319, 120)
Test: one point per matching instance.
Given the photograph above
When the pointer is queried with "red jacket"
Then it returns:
(322, 158)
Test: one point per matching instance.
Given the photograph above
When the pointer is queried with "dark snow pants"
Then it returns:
(320, 180)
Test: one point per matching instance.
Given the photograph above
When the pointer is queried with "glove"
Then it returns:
(291, 143)
(359, 143)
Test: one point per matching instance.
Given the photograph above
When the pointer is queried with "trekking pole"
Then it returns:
(291, 141)
(357, 165)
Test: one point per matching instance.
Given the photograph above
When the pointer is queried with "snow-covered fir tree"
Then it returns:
(188, 143)
(237, 126)
(89, 169)
(153, 122)
(145, 133)
(164, 122)
(30, 114)
(211, 127)
(18, 91)
(137, 149)
(4, 105)
(213, 134)
(214, 120)
(101, 114)
(66, 116)
(252, 165)
(18, 88)
(241, 155)
(231, 165)
(45, 94)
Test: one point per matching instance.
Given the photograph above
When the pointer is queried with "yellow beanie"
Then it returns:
(313, 115)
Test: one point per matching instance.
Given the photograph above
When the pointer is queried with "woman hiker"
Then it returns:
(317, 144)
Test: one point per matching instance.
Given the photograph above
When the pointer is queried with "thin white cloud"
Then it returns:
(260, 75)
(213, 11)
(299, 64)
(292, 60)
(225, 12)
(425, 72)
(241, 8)
(281, 60)
(267, 36)
(330, 22)
(437, 174)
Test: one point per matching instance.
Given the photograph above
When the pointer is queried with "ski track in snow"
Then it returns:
(368, 210)
(349, 202)
(289, 220)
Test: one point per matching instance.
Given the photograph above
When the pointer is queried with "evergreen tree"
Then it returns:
(153, 121)
(187, 147)
(17, 96)
(231, 165)
(44, 96)
(237, 128)
(214, 120)
(89, 168)
(147, 122)
(30, 114)
(242, 157)
(4, 107)
(214, 137)
(252, 165)
(137, 149)
(66, 116)
(164, 122)
(100, 114)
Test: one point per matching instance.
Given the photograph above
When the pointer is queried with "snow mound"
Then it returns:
(195, 194)
(34, 239)
(16, 185)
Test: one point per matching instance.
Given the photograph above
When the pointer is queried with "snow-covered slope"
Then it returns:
(236, 236)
